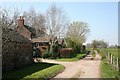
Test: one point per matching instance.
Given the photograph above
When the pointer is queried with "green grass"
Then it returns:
(113, 51)
(74, 58)
(107, 70)
(35, 71)
(89, 49)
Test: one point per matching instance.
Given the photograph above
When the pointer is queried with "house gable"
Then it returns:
(24, 32)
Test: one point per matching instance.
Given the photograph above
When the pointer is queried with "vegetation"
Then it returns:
(99, 44)
(37, 70)
(107, 70)
(76, 35)
(93, 54)
(56, 22)
(74, 57)
(113, 51)
(89, 49)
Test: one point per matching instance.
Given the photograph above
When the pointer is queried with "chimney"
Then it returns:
(21, 21)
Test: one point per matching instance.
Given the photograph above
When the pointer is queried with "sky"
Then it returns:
(102, 17)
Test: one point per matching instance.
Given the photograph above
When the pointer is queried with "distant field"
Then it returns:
(89, 49)
(113, 51)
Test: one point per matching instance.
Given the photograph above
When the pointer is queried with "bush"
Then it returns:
(77, 49)
(93, 54)
(102, 54)
(45, 55)
(55, 52)
(83, 48)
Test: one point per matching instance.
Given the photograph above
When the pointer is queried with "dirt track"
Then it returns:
(85, 68)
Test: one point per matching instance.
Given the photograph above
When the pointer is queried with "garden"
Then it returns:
(63, 52)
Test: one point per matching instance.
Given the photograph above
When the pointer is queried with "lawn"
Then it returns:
(75, 57)
(107, 70)
(35, 71)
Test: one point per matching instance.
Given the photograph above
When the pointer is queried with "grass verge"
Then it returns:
(107, 70)
(75, 58)
(36, 71)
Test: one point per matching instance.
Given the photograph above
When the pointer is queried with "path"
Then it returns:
(85, 68)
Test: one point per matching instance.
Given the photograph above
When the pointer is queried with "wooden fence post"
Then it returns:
(108, 57)
(117, 64)
(111, 59)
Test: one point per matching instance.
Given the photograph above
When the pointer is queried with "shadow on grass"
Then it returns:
(19, 74)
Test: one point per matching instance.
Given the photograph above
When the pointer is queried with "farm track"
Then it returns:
(85, 68)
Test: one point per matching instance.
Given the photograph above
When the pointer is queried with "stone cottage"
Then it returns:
(16, 50)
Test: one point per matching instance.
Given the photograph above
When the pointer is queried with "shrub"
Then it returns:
(83, 48)
(93, 54)
(77, 49)
(66, 52)
(55, 52)
(45, 55)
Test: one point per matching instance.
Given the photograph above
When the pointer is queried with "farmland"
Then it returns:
(113, 51)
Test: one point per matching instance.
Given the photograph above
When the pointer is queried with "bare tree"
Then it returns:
(30, 17)
(41, 22)
(34, 19)
(8, 18)
(77, 32)
(56, 23)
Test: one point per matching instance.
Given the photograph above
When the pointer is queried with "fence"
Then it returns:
(112, 60)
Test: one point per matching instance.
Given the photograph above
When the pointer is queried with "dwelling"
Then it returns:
(41, 43)
(27, 31)
(40, 40)
(16, 50)
(24, 30)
